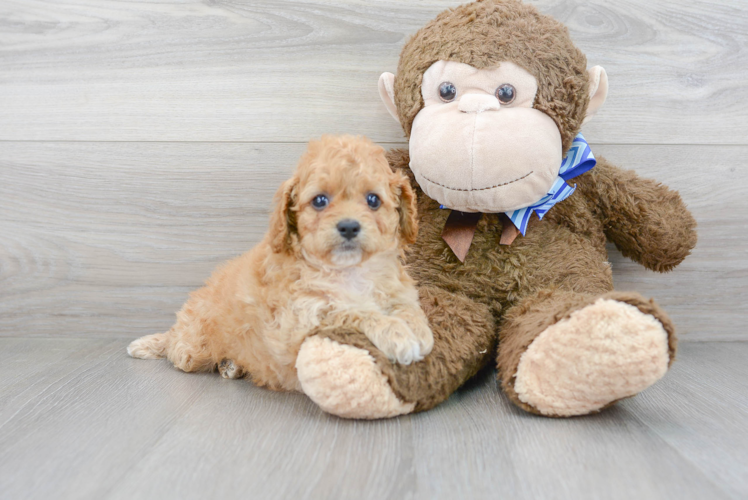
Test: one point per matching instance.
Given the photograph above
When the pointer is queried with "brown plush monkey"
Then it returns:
(492, 95)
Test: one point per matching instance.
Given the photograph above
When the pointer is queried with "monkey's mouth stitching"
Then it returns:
(480, 189)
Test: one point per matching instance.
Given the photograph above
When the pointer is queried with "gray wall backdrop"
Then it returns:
(141, 143)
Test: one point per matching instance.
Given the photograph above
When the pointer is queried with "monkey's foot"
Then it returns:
(606, 351)
(345, 381)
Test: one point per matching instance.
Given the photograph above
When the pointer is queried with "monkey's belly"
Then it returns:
(550, 255)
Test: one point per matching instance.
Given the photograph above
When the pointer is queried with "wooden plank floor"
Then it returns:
(80, 419)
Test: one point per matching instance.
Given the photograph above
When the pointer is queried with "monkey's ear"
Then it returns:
(598, 90)
(387, 93)
(283, 220)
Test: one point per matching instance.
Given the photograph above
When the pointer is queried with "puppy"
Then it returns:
(332, 257)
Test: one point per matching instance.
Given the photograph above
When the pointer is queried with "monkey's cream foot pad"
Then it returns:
(602, 353)
(345, 381)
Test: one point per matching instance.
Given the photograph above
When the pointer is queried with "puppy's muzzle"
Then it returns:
(349, 228)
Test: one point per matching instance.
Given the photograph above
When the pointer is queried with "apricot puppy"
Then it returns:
(332, 257)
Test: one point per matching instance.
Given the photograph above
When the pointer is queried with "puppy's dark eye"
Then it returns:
(506, 93)
(373, 201)
(320, 202)
(447, 91)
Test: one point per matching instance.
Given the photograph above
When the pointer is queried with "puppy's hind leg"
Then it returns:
(149, 347)
(189, 354)
(229, 369)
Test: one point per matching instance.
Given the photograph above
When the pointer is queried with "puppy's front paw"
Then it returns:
(397, 341)
(424, 335)
(228, 369)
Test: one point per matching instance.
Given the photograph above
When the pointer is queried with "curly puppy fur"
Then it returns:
(255, 311)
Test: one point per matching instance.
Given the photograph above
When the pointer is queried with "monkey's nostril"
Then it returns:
(349, 228)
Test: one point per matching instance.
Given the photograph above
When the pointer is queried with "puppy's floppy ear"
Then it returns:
(283, 219)
(408, 208)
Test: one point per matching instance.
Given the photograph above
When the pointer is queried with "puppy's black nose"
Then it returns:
(349, 228)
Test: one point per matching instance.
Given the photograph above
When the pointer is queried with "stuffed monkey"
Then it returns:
(514, 214)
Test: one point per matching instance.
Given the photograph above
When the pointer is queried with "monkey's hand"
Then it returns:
(647, 221)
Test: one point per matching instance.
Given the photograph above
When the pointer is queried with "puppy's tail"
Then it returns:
(149, 347)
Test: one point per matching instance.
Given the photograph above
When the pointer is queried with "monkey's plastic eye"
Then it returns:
(506, 94)
(373, 201)
(320, 202)
(447, 91)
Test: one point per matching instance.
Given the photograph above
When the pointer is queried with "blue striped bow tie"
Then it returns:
(578, 160)
(459, 227)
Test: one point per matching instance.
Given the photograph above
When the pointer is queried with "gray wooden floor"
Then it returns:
(140, 146)
(79, 419)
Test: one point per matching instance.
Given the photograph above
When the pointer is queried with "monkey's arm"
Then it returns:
(647, 221)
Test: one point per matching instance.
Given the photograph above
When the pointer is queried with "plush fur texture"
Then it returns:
(464, 341)
(255, 311)
(457, 156)
(346, 381)
(566, 369)
(554, 285)
(511, 295)
(484, 33)
(559, 267)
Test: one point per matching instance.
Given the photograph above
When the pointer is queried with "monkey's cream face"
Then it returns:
(478, 145)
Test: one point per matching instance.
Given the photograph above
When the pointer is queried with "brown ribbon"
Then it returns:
(459, 230)
(509, 232)
(460, 227)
